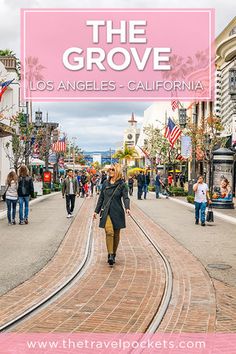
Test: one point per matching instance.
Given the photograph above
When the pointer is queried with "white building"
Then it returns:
(131, 134)
(9, 106)
(225, 60)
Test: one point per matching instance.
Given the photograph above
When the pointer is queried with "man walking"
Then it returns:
(158, 184)
(69, 189)
(201, 191)
(146, 184)
(140, 180)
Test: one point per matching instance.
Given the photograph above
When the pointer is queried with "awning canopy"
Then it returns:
(36, 162)
(5, 130)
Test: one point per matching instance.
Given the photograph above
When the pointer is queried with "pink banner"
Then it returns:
(107, 54)
(166, 343)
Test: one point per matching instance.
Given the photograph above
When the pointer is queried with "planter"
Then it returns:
(46, 191)
(190, 199)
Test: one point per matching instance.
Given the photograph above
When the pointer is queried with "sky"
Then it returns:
(96, 126)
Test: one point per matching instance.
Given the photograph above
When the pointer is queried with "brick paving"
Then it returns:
(226, 307)
(192, 307)
(125, 298)
(119, 299)
(64, 263)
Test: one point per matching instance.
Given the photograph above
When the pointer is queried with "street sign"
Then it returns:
(47, 177)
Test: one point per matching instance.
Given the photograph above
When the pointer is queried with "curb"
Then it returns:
(218, 214)
(3, 214)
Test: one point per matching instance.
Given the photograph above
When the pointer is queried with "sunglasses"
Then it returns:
(112, 169)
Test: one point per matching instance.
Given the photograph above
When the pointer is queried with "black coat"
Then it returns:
(141, 180)
(115, 210)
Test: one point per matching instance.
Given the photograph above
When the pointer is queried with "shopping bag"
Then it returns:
(210, 215)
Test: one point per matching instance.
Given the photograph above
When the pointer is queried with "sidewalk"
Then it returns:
(3, 208)
(25, 249)
(227, 212)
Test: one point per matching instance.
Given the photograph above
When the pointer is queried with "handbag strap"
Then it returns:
(109, 201)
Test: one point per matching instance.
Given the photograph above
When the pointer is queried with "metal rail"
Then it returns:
(155, 321)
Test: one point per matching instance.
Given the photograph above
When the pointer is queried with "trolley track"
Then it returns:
(75, 278)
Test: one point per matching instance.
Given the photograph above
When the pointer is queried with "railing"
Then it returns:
(8, 62)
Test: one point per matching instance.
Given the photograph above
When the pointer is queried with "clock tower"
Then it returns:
(131, 134)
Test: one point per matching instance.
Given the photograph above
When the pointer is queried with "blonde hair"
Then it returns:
(118, 171)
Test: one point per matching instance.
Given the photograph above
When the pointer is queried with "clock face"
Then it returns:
(129, 136)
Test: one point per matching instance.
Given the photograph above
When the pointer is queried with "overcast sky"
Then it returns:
(96, 125)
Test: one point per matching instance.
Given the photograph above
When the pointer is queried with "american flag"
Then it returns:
(4, 86)
(60, 145)
(180, 158)
(174, 105)
(172, 132)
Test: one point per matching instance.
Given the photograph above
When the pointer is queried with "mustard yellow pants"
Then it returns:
(112, 236)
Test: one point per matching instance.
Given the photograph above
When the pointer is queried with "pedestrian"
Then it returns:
(103, 177)
(140, 181)
(158, 184)
(83, 181)
(131, 185)
(11, 197)
(109, 205)
(78, 181)
(181, 180)
(146, 183)
(93, 183)
(70, 189)
(170, 180)
(25, 189)
(201, 198)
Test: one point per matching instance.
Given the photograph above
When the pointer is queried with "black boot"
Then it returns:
(110, 259)
(114, 256)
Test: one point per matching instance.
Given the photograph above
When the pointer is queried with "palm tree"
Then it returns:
(126, 154)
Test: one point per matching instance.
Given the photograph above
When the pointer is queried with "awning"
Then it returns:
(36, 162)
(5, 130)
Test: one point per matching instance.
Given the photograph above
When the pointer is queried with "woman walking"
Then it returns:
(25, 189)
(109, 205)
(11, 197)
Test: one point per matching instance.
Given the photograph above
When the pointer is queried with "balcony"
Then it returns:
(9, 63)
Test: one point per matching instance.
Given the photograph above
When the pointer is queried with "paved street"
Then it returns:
(126, 297)
(25, 249)
(212, 245)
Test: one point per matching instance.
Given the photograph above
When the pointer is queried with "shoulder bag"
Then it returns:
(4, 194)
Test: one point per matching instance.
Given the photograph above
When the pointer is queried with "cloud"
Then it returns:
(97, 125)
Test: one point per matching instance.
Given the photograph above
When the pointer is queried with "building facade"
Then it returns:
(9, 106)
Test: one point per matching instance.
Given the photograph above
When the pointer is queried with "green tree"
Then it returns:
(126, 154)
(158, 147)
(19, 146)
(206, 137)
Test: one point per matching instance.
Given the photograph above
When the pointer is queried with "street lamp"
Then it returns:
(38, 118)
(182, 117)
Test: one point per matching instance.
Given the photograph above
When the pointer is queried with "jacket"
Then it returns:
(141, 179)
(11, 190)
(66, 186)
(115, 210)
(25, 186)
